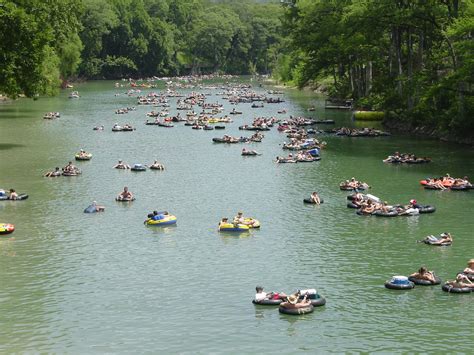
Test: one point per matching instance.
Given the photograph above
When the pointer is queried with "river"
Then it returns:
(105, 283)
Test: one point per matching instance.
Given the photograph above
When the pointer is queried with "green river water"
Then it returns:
(105, 283)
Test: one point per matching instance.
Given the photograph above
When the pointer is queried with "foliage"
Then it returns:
(407, 56)
(43, 42)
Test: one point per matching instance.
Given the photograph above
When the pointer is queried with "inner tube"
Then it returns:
(455, 289)
(431, 187)
(19, 198)
(268, 302)
(346, 188)
(308, 200)
(138, 167)
(168, 220)
(219, 127)
(379, 213)
(423, 282)
(296, 311)
(429, 242)
(399, 283)
(124, 200)
(352, 205)
(230, 227)
(316, 300)
(460, 188)
(87, 156)
(6, 228)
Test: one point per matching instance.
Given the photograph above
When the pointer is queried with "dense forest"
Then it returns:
(412, 59)
(45, 42)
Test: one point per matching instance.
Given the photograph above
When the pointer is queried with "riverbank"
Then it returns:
(425, 131)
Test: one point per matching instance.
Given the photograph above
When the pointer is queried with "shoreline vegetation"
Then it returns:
(410, 60)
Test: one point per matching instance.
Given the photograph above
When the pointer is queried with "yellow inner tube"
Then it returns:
(233, 227)
(168, 218)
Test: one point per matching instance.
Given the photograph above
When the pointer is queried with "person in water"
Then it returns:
(13, 195)
(224, 220)
(470, 267)
(261, 295)
(462, 281)
(95, 207)
(125, 195)
(121, 165)
(424, 274)
(315, 198)
(157, 165)
(294, 302)
(55, 173)
(157, 216)
(240, 219)
(70, 168)
(444, 239)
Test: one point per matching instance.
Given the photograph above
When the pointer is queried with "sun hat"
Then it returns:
(470, 262)
(293, 299)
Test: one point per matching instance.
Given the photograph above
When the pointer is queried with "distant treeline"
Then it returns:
(410, 58)
(45, 42)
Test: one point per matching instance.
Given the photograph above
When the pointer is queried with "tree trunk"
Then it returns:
(399, 60)
(410, 67)
(368, 80)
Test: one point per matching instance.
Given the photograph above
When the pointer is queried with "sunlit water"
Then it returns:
(77, 283)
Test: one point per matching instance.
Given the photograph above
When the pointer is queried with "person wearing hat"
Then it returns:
(444, 239)
(414, 204)
(294, 301)
(261, 295)
(470, 268)
(412, 208)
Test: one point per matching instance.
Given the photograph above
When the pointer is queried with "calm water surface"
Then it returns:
(77, 283)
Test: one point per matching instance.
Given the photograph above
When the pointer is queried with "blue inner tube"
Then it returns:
(296, 311)
(455, 289)
(423, 282)
(138, 168)
(268, 302)
(406, 286)
(308, 200)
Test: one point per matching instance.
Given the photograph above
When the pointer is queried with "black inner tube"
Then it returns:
(308, 200)
(392, 286)
(267, 302)
(296, 311)
(455, 289)
(424, 282)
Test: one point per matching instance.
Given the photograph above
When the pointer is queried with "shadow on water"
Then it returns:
(7, 146)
